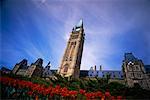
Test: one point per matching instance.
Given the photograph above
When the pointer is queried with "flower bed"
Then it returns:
(15, 88)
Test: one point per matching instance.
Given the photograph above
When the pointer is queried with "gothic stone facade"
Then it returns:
(70, 64)
(35, 69)
(134, 72)
(20, 68)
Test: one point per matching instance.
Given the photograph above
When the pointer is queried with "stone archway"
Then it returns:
(66, 66)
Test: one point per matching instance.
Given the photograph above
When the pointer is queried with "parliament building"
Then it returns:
(133, 72)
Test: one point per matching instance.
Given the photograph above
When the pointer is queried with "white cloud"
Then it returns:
(103, 21)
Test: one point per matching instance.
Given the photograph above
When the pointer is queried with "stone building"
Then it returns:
(134, 72)
(47, 72)
(20, 68)
(113, 74)
(147, 69)
(5, 70)
(70, 64)
(36, 69)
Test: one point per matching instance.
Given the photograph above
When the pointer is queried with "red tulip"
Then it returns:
(73, 93)
(41, 89)
(107, 94)
(112, 97)
(119, 98)
(99, 94)
(82, 91)
(30, 93)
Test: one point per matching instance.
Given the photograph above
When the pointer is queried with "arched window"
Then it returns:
(66, 68)
(129, 67)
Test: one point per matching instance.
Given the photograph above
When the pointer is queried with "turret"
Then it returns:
(100, 67)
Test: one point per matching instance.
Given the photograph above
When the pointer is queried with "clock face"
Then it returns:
(130, 63)
(78, 29)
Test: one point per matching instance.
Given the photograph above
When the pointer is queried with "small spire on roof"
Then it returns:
(49, 63)
(80, 23)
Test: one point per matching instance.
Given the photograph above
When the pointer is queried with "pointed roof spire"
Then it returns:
(78, 26)
(80, 23)
(48, 65)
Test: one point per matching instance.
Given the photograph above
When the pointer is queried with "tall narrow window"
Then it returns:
(66, 68)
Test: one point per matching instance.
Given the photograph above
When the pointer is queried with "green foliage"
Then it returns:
(83, 84)
(116, 88)
(90, 85)
(40, 81)
(137, 93)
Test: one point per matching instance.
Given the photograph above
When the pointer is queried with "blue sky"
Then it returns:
(35, 29)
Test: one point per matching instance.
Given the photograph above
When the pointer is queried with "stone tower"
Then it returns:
(70, 64)
(134, 71)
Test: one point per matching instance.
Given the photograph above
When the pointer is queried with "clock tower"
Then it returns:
(71, 61)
